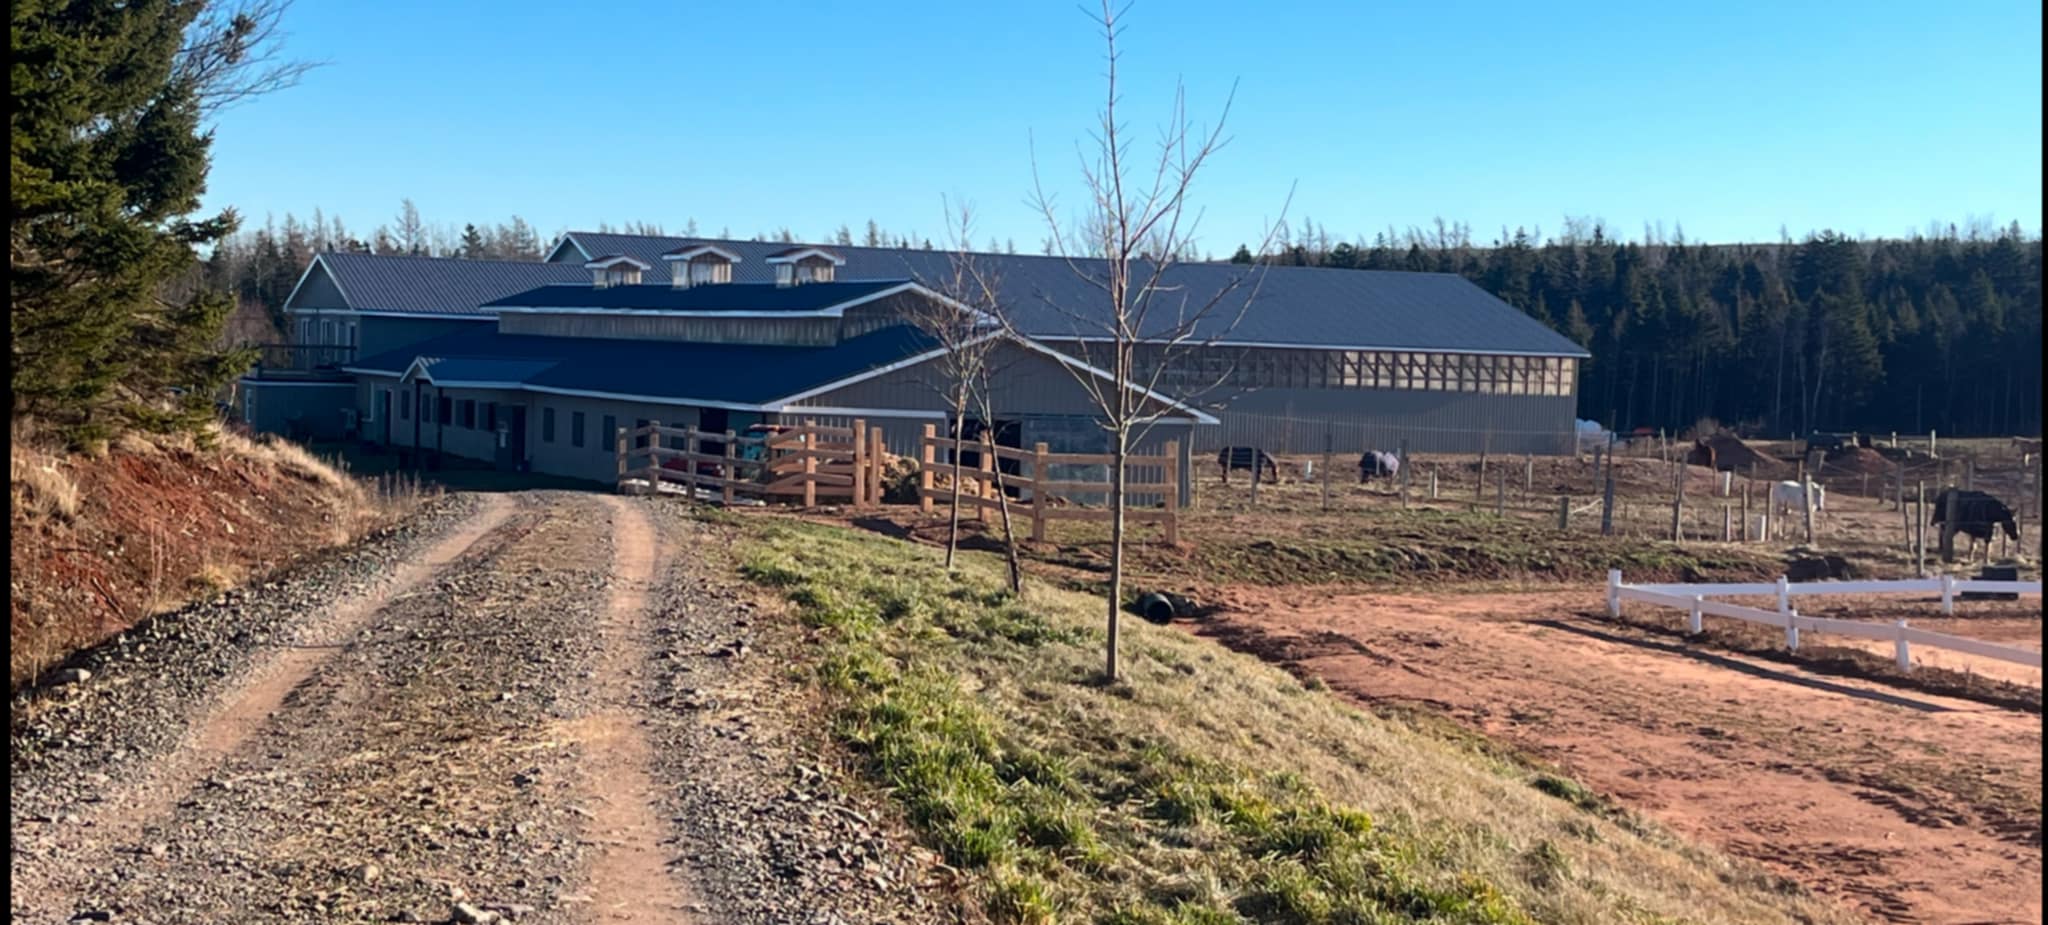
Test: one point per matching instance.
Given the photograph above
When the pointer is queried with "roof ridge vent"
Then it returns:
(700, 264)
(615, 270)
(804, 263)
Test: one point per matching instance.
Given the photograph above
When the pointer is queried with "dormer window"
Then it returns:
(799, 265)
(700, 265)
(615, 270)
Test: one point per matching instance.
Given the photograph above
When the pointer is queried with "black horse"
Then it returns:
(1978, 515)
(1378, 462)
(1249, 458)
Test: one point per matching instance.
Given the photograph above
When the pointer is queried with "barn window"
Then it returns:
(547, 425)
(575, 428)
(404, 408)
(639, 440)
(610, 434)
(469, 413)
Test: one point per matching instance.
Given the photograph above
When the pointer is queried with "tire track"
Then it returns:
(628, 874)
(236, 714)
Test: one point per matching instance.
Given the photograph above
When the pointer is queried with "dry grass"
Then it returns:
(1208, 786)
(38, 487)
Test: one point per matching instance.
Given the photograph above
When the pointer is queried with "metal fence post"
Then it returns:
(1904, 649)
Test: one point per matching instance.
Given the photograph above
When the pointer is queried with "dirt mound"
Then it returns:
(1730, 453)
(1857, 460)
(100, 543)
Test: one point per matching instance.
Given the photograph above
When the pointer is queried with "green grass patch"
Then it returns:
(1203, 787)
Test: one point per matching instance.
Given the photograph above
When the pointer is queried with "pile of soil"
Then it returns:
(1861, 460)
(1732, 454)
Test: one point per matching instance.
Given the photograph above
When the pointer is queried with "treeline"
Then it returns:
(1939, 331)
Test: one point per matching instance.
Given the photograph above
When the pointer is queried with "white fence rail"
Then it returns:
(1693, 599)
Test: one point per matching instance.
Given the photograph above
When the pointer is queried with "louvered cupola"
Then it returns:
(700, 265)
(799, 265)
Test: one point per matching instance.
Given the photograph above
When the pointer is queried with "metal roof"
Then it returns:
(807, 298)
(1288, 306)
(437, 285)
(746, 374)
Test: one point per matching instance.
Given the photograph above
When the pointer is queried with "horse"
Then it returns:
(1788, 495)
(1978, 516)
(1701, 454)
(1378, 462)
(1250, 458)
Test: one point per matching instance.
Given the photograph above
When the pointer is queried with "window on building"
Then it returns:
(639, 440)
(404, 408)
(490, 416)
(547, 425)
(608, 438)
(469, 413)
(575, 428)
(442, 407)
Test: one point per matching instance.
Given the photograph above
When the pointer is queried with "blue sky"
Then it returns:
(1730, 120)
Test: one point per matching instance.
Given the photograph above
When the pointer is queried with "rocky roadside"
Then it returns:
(772, 826)
(132, 699)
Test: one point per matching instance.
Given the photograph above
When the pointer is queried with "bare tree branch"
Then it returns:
(231, 54)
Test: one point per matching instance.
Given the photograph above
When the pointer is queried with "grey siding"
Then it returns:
(380, 333)
(809, 332)
(298, 409)
(318, 291)
(1297, 420)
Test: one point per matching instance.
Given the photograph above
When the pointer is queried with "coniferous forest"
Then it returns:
(1938, 331)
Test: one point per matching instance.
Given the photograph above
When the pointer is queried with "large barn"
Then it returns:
(523, 363)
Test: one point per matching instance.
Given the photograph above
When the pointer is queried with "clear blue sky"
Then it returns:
(1728, 119)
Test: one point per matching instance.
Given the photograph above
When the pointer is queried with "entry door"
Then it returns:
(384, 411)
(512, 439)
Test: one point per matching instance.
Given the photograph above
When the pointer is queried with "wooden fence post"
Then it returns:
(1607, 498)
(1970, 472)
(810, 480)
(1678, 502)
(1564, 513)
(1402, 454)
(1172, 490)
(1328, 448)
(860, 463)
(1806, 501)
(654, 456)
(1039, 476)
(1432, 484)
(1745, 511)
(622, 457)
(691, 447)
(732, 472)
(924, 469)
(1727, 524)
(1479, 483)
(1258, 469)
(1948, 526)
(876, 449)
(1920, 529)
(1528, 473)
(984, 477)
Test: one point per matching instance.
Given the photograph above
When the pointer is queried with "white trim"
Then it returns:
(1201, 417)
(275, 383)
(361, 313)
(822, 410)
(805, 251)
(615, 260)
(1250, 343)
(308, 272)
(475, 384)
(698, 250)
(662, 312)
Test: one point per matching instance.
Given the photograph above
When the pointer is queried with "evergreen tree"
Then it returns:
(1243, 255)
(473, 245)
(109, 160)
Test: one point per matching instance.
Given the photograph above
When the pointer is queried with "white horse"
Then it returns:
(1788, 496)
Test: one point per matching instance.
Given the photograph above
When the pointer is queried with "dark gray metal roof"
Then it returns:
(438, 285)
(1288, 306)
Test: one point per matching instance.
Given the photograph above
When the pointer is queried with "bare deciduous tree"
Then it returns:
(964, 325)
(1147, 319)
(231, 54)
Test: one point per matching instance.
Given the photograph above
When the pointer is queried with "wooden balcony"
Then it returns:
(302, 361)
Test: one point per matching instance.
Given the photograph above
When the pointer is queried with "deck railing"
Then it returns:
(301, 360)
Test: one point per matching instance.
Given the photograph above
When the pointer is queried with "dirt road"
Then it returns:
(543, 706)
(1914, 808)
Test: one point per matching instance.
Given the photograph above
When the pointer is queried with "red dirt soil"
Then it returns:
(1908, 806)
(153, 530)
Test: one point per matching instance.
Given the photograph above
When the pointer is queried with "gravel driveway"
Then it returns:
(543, 706)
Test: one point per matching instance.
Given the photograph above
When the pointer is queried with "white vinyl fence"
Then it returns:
(1694, 600)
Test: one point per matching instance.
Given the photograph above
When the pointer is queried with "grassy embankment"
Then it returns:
(1208, 787)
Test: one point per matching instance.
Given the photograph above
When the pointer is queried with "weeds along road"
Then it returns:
(543, 706)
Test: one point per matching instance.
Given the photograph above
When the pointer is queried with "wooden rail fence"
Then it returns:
(807, 462)
(1693, 599)
(1042, 498)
